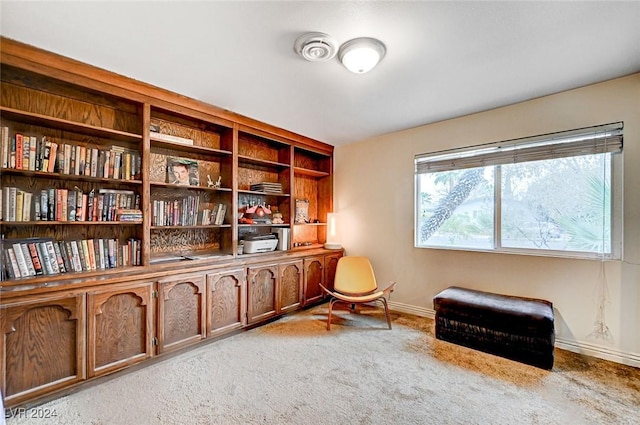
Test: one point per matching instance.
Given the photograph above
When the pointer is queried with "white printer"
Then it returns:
(259, 243)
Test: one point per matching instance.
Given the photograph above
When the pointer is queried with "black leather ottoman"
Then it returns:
(517, 328)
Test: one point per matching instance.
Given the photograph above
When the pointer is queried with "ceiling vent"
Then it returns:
(316, 46)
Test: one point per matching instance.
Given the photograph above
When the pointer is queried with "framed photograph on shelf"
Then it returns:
(182, 171)
(302, 211)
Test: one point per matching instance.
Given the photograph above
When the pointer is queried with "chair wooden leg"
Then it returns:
(386, 310)
(329, 317)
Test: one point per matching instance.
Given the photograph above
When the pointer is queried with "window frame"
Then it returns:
(616, 216)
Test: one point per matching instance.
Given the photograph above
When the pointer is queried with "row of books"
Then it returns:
(185, 212)
(23, 152)
(214, 215)
(45, 256)
(56, 204)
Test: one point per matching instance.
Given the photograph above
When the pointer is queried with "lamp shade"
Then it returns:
(333, 240)
(361, 55)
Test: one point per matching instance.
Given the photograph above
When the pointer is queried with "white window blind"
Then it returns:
(584, 141)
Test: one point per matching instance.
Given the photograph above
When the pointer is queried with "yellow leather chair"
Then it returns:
(355, 283)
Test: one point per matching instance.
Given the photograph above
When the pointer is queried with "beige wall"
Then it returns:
(374, 194)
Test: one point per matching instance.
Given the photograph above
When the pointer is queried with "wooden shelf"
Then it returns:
(310, 173)
(71, 177)
(190, 148)
(255, 192)
(261, 162)
(70, 223)
(57, 123)
(202, 188)
(199, 226)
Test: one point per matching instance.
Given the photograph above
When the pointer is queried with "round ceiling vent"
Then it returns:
(316, 46)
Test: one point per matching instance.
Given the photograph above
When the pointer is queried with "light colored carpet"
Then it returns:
(293, 371)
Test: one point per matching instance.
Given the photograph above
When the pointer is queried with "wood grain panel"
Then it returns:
(187, 130)
(313, 276)
(290, 285)
(41, 346)
(226, 305)
(330, 266)
(181, 318)
(248, 175)
(255, 147)
(182, 313)
(119, 328)
(262, 292)
(67, 108)
(187, 240)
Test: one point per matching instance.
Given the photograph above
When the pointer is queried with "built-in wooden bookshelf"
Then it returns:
(148, 260)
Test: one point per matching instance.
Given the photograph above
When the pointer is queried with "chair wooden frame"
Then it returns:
(355, 298)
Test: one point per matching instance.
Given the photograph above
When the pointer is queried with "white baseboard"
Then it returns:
(412, 309)
(605, 353)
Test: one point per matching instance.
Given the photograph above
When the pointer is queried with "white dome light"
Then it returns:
(361, 55)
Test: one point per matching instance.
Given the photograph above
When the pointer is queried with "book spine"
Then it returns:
(53, 157)
(66, 256)
(35, 258)
(77, 256)
(26, 148)
(19, 151)
(22, 262)
(72, 207)
(27, 206)
(33, 149)
(51, 212)
(53, 260)
(14, 262)
(19, 205)
(85, 251)
(44, 257)
(4, 140)
(28, 260)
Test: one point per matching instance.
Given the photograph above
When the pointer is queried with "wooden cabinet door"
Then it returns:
(181, 311)
(262, 292)
(120, 327)
(226, 305)
(41, 349)
(313, 276)
(290, 293)
(330, 265)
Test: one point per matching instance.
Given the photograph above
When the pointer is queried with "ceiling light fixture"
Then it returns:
(316, 46)
(361, 55)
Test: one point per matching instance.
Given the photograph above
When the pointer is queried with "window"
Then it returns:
(557, 194)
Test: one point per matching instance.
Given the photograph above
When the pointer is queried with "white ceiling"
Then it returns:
(444, 59)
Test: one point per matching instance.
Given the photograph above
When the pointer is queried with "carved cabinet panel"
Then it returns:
(313, 277)
(226, 306)
(181, 311)
(330, 265)
(120, 327)
(42, 345)
(290, 288)
(262, 283)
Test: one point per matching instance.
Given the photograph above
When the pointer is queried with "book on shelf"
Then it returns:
(161, 137)
(35, 258)
(18, 151)
(269, 187)
(44, 256)
(5, 147)
(12, 263)
(17, 204)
